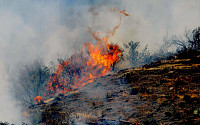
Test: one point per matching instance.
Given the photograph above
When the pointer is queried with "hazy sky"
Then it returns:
(39, 28)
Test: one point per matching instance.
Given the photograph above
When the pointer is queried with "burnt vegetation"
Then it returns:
(162, 87)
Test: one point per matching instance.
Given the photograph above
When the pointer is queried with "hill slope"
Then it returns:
(165, 91)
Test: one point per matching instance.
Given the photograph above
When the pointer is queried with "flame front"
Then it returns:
(94, 61)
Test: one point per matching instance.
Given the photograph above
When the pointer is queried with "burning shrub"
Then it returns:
(81, 69)
(37, 83)
(94, 61)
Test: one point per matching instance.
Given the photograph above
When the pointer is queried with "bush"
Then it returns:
(190, 41)
(31, 82)
(135, 57)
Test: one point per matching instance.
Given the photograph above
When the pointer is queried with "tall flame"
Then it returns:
(94, 61)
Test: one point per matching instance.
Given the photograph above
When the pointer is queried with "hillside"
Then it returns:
(163, 92)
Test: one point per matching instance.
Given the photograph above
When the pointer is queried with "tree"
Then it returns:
(133, 52)
(136, 57)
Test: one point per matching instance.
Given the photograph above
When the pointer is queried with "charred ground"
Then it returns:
(166, 91)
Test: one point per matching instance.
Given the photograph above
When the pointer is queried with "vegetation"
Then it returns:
(135, 57)
(167, 93)
(31, 82)
(32, 78)
(185, 46)
(189, 45)
(190, 41)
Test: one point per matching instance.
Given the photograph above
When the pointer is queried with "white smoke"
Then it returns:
(9, 111)
(30, 29)
(151, 20)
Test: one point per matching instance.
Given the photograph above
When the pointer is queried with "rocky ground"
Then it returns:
(163, 92)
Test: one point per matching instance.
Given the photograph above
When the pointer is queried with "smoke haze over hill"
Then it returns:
(30, 29)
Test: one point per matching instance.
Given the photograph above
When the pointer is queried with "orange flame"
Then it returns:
(122, 13)
(94, 61)
(38, 99)
(81, 70)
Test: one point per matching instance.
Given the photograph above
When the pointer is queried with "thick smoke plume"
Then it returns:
(45, 29)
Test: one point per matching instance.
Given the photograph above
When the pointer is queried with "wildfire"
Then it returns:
(38, 99)
(94, 61)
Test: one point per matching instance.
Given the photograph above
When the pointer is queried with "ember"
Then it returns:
(38, 99)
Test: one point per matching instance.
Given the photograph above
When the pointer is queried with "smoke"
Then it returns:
(30, 29)
(153, 19)
(9, 111)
